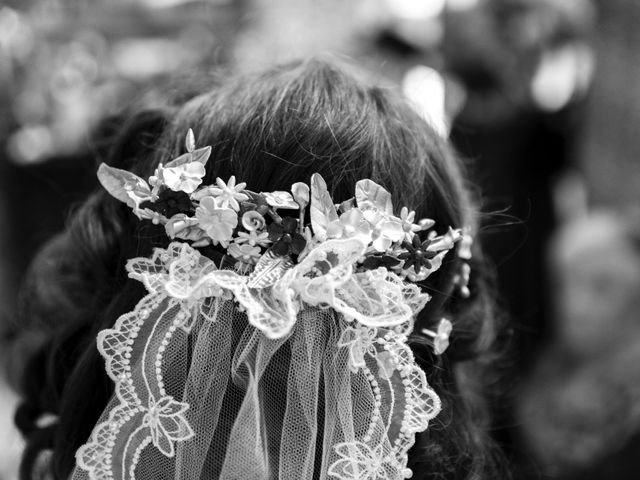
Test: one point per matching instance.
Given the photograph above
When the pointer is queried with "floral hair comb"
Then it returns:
(249, 227)
(340, 290)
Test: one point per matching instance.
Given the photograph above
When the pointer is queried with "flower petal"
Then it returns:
(162, 442)
(176, 428)
(168, 406)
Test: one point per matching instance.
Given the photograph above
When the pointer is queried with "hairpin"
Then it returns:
(439, 338)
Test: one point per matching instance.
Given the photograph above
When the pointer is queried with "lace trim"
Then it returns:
(417, 404)
(143, 415)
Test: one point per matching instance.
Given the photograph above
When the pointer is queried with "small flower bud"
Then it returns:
(190, 141)
(300, 194)
(426, 223)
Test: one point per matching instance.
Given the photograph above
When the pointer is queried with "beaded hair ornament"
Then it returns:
(286, 359)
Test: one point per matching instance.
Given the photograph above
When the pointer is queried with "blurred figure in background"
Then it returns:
(581, 408)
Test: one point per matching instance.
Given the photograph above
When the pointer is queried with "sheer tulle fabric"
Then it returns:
(202, 393)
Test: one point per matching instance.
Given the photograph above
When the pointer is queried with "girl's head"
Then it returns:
(270, 130)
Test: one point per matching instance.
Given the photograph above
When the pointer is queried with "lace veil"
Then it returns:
(288, 370)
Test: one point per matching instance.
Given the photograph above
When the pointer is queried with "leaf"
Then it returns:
(190, 141)
(347, 205)
(322, 210)
(120, 182)
(200, 155)
(374, 261)
(371, 195)
(280, 199)
(269, 270)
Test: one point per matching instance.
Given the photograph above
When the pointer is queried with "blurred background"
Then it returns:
(541, 97)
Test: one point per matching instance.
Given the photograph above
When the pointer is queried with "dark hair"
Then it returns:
(269, 129)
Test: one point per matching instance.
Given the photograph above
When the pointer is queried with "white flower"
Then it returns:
(186, 177)
(386, 233)
(245, 253)
(253, 238)
(358, 461)
(360, 341)
(350, 224)
(408, 217)
(229, 194)
(219, 223)
(280, 199)
(252, 220)
(387, 229)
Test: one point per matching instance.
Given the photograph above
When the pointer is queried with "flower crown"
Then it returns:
(264, 245)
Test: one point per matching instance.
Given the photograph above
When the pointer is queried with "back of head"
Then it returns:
(270, 130)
